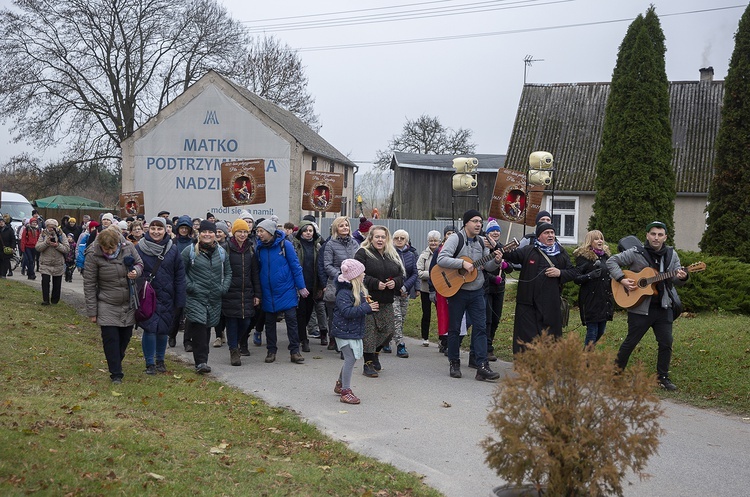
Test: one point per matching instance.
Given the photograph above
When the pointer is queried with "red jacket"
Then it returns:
(29, 236)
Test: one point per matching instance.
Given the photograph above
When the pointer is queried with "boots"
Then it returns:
(235, 357)
(376, 362)
(369, 370)
(485, 373)
(455, 369)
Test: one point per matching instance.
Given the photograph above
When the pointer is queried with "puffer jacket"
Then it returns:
(183, 241)
(409, 258)
(208, 278)
(52, 258)
(280, 274)
(105, 285)
(168, 284)
(335, 251)
(349, 321)
(245, 285)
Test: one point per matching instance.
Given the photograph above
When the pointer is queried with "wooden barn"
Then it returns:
(567, 120)
(422, 185)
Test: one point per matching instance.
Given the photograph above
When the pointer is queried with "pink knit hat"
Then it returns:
(350, 269)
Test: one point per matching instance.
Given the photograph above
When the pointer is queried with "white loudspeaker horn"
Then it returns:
(465, 165)
(464, 182)
(540, 178)
(540, 160)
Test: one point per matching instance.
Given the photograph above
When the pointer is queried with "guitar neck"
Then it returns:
(662, 276)
(491, 255)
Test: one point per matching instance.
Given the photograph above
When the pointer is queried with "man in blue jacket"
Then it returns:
(281, 280)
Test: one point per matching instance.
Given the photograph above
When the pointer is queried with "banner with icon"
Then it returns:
(243, 182)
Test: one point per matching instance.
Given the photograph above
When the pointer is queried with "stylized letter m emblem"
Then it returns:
(211, 118)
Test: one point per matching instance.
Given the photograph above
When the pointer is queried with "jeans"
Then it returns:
(115, 340)
(472, 302)
(661, 321)
(594, 331)
(56, 288)
(29, 257)
(154, 347)
(290, 318)
(236, 327)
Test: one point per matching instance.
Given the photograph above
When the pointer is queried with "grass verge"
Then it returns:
(710, 359)
(65, 430)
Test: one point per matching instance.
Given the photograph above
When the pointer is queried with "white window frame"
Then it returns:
(567, 240)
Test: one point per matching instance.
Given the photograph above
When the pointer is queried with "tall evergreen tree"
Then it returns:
(635, 181)
(728, 230)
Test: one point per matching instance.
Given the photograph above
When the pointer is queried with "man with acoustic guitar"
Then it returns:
(460, 251)
(650, 311)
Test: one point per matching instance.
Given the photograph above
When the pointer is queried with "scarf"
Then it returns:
(113, 256)
(598, 252)
(149, 247)
(553, 250)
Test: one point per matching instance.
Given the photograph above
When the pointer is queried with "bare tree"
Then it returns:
(87, 73)
(426, 135)
(274, 71)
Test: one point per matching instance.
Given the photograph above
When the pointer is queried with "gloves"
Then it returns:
(595, 274)
(433, 297)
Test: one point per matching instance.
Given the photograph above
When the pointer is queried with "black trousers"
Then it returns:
(199, 335)
(426, 314)
(115, 340)
(305, 308)
(56, 288)
(661, 321)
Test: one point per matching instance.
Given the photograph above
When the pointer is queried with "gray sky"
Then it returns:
(471, 74)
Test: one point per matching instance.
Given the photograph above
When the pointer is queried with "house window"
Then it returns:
(346, 176)
(314, 164)
(565, 218)
(344, 205)
(331, 168)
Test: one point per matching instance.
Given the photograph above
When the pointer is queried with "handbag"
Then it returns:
(329, 294)
(147, 295)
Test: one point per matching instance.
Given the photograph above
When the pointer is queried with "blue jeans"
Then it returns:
(234, 327)
(29, 258)
(472, 302)
(154, 347)
(290, 318)
(594, 331)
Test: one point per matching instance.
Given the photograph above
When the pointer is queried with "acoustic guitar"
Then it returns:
(448, 281)
(645, 281)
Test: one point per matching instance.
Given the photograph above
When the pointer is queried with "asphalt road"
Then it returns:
(417, 418)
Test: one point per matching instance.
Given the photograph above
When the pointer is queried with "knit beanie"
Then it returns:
(492, 226)
(71, 220)
(123, 225)
(245, 214)
(51, 222)
(350, 269)
(109, 216)
(268, 225)
(221, 225)
(160, 221)
(448, 228)
(240, 225)
(364, 225)
(93, 225)
(541, 228)
(471, 213)
(207, 226)
(542, 214)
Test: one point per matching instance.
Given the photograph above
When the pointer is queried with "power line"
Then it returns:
(497, 33)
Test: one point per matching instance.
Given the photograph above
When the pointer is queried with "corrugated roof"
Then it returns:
(567, 120)
(444, 162)
(293, 125)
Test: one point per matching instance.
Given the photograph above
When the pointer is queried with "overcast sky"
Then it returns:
(464, 60)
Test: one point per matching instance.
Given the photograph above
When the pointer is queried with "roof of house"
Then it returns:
(293, 125)
(488, 163)
(567, 120)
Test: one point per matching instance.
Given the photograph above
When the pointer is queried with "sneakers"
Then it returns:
(297, 358)
(150, 369)
(160, 367)
(667, 384)
(217, 342)
(376, 362)
(485, 373)
(323, 340)
(257, 339)
(347, 397)
(117, 381)
(337, 388)
(305, 346)
(188, 347)
(455, 369)
(401, 351)
(314, 334)
(425, 343)
(202, 368)
(244, 351)
(369, 371)
(387, 348)
(235, 359)
(270, 357)
(491, 357)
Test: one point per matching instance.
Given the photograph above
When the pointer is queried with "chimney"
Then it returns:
(707, 74)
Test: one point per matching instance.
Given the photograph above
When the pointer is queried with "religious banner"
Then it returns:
(243, 182)
(322, 191)
(511, 202)
(131, 204)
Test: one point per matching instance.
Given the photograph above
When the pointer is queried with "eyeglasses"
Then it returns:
(399, 238)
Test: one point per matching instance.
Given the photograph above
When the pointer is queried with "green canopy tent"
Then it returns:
(66, 202)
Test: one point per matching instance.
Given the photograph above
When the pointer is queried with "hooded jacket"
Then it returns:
(280, 274)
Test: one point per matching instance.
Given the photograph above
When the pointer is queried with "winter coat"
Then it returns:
(636, 261)
(183, 241)
(595, 301)
(52, 258)
(29, 237)
(73, 230)
(409, 259)
(280, 274)
(349, 321)
(208, 278)
(245, 285)
(423, 270)
(7, 239)
(81, 248)
(312, 283)
(105, 285)
(377, 269)
(336, 250)
(168, 284)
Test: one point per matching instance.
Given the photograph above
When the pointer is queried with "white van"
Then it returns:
(17, 207)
